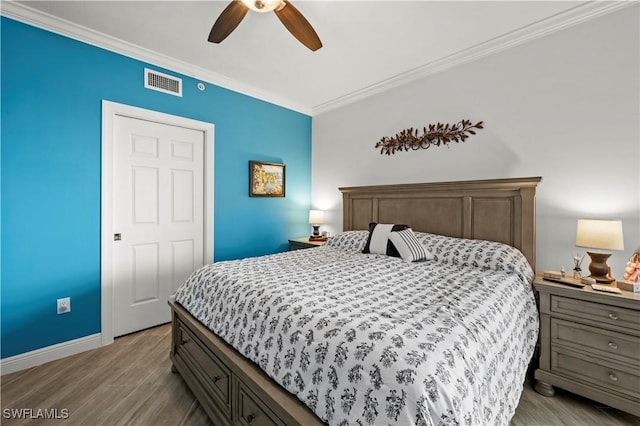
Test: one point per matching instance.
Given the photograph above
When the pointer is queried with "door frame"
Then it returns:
(109, 112)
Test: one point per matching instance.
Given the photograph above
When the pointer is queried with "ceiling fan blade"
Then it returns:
(298, 26)
(228, 20)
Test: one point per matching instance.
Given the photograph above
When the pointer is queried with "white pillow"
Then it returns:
(408, 246)
(379, 238)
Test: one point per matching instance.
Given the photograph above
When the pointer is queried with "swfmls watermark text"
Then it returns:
(36, 413)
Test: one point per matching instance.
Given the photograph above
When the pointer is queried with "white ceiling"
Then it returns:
(368, 45)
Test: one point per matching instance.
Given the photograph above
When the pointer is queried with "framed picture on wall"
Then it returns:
(266, 179)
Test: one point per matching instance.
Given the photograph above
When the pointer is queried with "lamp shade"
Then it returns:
(316, 217)
(600, 234)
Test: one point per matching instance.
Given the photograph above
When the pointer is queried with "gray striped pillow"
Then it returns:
(408, 246)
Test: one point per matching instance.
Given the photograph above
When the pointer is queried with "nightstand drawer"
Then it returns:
(613, 376)
(623, 347)
(607, 314)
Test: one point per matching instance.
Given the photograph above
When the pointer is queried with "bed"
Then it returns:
(332, 335)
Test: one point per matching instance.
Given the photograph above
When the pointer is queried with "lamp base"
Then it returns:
(603, 280)
(598, 267)
(316, 231)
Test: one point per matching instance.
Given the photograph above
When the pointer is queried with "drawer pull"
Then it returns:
(613, 345)
(251, 417)
(215, 379)
(613, 377)
(613, 316)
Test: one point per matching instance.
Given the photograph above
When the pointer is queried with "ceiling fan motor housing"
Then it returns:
(263, 5)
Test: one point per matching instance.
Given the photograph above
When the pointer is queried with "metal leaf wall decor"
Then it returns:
(435, 134)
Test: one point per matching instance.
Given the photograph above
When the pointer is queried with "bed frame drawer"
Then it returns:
(211, 372)
(252, 412)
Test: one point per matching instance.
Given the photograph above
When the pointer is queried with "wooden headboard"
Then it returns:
(498, 209)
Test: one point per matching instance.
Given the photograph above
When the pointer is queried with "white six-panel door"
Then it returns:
(158, 223)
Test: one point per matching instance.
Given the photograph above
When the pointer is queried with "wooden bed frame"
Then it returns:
(233, 390)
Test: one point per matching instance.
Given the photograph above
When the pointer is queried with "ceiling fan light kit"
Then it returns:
(263, 6)
(290, 17)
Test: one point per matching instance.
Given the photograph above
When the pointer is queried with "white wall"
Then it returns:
(564, 107)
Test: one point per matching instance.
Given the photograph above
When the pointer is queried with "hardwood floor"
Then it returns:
(130, 383)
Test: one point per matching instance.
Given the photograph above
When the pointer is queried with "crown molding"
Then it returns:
(576, 15)
(39, 19)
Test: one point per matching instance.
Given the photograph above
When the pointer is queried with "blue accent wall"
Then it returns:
(51, 93)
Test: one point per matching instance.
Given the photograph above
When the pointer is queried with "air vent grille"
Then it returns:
(164, 83)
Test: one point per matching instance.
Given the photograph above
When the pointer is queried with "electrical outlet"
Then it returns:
(64, 305)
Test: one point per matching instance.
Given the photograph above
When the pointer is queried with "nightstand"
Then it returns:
(589, 344)
(303, 243)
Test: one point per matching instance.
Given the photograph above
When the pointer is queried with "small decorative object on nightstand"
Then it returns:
(632, 274)
(589, 344)
(600, 234)
(632, 271)
(577, 270)
(303, 243)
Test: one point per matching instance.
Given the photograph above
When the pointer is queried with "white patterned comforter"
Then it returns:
(366, 339)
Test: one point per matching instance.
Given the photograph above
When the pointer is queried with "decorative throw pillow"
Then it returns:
(378, 240)
(408, 246)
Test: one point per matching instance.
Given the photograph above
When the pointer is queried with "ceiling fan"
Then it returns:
(292, 19)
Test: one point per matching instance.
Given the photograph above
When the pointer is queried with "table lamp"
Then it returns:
(316, 218)
(600, 234)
